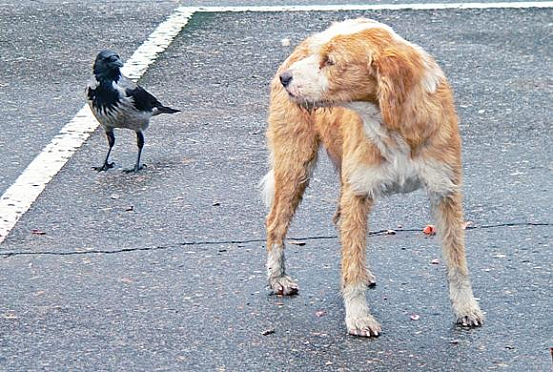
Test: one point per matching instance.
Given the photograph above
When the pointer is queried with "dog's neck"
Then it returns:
(390, 144)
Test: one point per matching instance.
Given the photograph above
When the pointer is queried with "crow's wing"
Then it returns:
(142, 100)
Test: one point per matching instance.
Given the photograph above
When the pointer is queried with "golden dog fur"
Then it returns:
(384, 111)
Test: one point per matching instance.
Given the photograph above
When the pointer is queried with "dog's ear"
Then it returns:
(395, 75)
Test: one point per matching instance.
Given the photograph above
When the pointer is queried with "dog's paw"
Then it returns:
(283, 285)
(471, 317)
(371, 279)
(365, 326)
(467, 311)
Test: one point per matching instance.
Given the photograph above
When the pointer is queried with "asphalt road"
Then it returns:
(164, 270)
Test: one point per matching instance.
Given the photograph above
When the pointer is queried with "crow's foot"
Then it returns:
(104, 167)
(135, 169)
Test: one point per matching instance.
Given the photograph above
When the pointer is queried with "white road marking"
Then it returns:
(348, 7)
(19, 197)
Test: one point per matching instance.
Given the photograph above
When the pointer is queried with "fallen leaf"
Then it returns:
(130, 208)
(320, 313)
(435, 261)
(37, 232)
(10, 315)
(114, 196)
(297, 242)
(415, 317)
(268, 332)
(454, 342)
(429, 230)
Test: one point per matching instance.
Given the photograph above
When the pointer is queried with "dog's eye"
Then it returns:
(327, 61)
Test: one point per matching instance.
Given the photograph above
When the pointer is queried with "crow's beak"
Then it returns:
(117, 63)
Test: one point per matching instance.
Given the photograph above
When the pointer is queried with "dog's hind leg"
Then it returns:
(294, 149)
(338, 212)
(449, 215)
(355, 276)
(336, 216)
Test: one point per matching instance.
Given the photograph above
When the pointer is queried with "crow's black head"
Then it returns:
(107, 65)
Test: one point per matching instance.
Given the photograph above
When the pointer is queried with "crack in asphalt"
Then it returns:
(247, 241)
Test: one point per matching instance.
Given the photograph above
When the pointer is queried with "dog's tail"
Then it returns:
(267, 188)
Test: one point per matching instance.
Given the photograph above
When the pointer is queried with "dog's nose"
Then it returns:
(285, 78)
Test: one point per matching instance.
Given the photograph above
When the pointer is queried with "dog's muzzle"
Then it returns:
(286, 78)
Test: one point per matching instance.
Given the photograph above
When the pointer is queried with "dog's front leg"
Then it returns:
(355, 275)
(287, 196)
(294, 156)
(449, 216)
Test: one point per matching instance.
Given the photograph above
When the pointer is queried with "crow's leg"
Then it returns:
(140, 144)
(111, 142)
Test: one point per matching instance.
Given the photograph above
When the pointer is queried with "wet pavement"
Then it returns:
(164, 270)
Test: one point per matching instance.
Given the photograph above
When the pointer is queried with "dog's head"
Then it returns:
(360, 60)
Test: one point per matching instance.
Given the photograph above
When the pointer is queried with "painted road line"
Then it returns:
(348, 7)
(19, 197)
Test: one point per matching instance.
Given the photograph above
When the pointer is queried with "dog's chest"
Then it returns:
(398, 173)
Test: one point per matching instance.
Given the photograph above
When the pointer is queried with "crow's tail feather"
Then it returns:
(166, 110)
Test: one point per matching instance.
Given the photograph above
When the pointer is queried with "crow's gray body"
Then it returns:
(118, 102)
(122, 114)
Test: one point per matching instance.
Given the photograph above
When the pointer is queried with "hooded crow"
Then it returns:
(117, 102)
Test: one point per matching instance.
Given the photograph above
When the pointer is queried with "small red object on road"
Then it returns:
(429, 230)
(320, 313)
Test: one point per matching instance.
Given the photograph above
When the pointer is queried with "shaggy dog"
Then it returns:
(384, 111)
